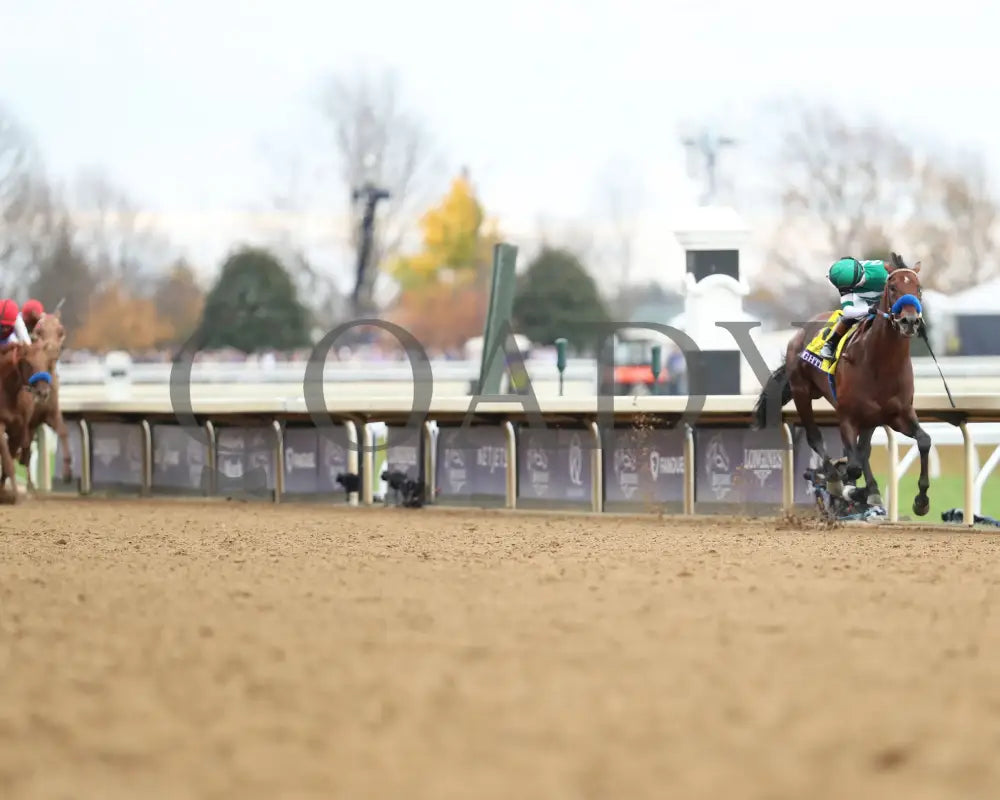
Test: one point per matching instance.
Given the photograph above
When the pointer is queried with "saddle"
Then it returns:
(811, 354)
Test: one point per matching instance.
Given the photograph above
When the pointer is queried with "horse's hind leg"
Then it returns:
(849, 436)
(814, 436)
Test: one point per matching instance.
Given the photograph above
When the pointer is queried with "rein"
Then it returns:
(909, 299)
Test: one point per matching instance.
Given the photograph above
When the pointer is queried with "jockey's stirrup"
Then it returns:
(830, 347)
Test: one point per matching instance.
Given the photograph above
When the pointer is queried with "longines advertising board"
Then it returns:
(738, 467)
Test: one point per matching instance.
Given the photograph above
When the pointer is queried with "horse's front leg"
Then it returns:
(54, 420)
(7, 462)
(909, 425)
(25, 460)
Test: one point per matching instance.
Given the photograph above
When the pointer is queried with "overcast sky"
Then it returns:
(179, 100)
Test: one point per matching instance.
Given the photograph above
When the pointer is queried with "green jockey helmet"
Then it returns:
(859, 271)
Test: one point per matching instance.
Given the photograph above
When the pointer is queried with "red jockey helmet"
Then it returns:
(8, 313)
(32, 309)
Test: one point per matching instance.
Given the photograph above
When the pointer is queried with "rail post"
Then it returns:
(561, 361)
(656, 365)
(689, 469)
(969, 469)
(892, 445)
(510, 437)
(788, 469)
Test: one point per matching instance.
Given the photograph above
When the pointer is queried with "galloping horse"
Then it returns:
(51, 334)
(871, 387)
(23, 379)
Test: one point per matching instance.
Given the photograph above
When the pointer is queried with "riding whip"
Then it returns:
(927, 341)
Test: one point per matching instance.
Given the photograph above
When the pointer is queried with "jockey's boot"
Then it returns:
(829, 351)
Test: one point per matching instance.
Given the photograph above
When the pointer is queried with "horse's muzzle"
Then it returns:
(909, 324)
(42, 390)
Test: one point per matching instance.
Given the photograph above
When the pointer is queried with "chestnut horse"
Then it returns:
(872, 386)
(49, 331)
(24, 378)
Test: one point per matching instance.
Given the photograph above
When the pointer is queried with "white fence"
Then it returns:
(636, 455)
(453, 378)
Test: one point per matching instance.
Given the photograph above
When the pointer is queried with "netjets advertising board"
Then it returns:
(471, 465)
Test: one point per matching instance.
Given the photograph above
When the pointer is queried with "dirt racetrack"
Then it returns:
(227, 650)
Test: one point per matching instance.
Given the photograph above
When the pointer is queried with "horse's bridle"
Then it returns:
(31, 384)
(893, 315)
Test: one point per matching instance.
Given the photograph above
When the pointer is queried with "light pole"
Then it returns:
(371, 195)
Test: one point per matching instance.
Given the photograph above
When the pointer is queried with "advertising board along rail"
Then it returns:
(637, 454)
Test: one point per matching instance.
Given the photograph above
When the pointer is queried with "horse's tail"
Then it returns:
(777, 385)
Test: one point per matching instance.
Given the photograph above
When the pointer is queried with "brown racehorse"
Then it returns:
(49, 331)
(24, 378)
(873, 386)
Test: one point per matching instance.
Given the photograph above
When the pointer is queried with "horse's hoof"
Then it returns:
(854, 472)
(921, 505)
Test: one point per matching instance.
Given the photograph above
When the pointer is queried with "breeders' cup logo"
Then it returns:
(537, 462)
(107, 450)
(625, 469)
(260, 455)
(762, 463)
(575, 460)
(717, 469)
(195, 461)
(133, 452)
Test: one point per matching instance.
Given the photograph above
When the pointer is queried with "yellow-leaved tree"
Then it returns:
(445, 285)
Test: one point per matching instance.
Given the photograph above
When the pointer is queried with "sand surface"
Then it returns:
(226, 650)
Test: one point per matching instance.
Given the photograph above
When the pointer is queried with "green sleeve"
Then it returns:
(842, 274)
(875, 276)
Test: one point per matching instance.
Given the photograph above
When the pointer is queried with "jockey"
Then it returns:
(12, 328)
(32, 312)
(860, 284)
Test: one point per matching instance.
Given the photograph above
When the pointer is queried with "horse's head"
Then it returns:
(50, 331)
(32, 364)
(902, 301)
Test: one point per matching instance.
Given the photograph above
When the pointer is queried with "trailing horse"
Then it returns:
(24, 378)
(872, 386)
(51, 334)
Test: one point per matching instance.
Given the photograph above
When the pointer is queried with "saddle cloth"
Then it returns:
(811, 353)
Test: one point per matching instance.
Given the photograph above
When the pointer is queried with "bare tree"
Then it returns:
(957, 229)
(378, 140)
(27, 205)
(621, 197)
(117, 237)
(855, 188)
